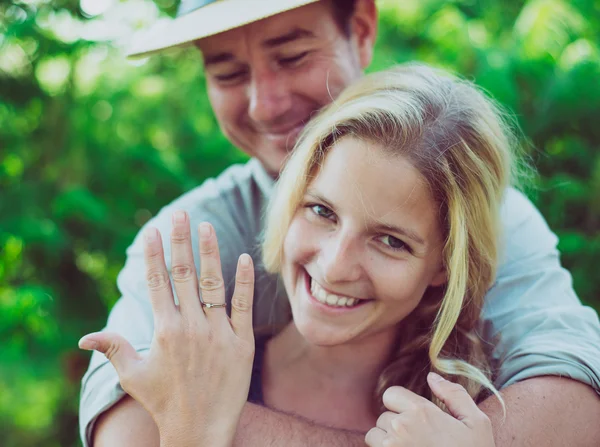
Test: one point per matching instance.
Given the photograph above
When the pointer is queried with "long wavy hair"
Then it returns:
(461, 143)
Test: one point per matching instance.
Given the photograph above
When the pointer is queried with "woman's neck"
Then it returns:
(316, 382)
(360, 360)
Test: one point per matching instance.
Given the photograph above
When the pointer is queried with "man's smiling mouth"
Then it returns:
(289, 134)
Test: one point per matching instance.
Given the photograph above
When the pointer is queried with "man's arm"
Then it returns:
(262, 427)
(128, 424)
(545, 344)
(533, 322)
(548, 411)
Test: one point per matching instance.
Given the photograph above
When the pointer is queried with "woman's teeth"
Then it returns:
(329, 298)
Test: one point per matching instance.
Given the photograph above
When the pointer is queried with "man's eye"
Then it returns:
(322, 211)
(393, 242)
(292, 59)
(230, 76)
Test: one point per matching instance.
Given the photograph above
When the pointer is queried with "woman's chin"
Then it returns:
(318, 335)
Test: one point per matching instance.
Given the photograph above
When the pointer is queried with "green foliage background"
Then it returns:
(92, 146)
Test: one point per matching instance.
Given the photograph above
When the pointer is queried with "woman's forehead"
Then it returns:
(363, 179)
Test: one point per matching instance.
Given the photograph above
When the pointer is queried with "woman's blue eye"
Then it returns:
(394, 243)
(322, 211)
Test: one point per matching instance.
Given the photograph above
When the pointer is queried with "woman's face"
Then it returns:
(363, 247)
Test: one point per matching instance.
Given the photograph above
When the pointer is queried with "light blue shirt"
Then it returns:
(532, 316)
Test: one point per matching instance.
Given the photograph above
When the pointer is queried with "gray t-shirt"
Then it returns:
(532, 317)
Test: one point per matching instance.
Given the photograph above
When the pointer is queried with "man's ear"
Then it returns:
(364, 30)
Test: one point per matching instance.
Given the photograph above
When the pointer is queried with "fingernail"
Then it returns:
(179, 217)
(204, 230)
(151, 234)
(245, 260)
(87, 344)
(435, 377)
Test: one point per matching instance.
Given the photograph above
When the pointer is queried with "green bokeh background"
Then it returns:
(92, 146)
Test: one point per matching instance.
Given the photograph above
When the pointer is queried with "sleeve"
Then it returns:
(532, 316)
(132, 315)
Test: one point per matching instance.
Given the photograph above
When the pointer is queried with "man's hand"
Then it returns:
(415, 421)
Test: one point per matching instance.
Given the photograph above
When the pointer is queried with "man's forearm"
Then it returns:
(262, 427)
(127, 424)
(548, 411)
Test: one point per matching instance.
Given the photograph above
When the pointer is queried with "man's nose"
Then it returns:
(341, 259)
(269, 96)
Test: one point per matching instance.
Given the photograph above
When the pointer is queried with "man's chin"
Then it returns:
(274, 158)
(273, 165)
(284, 140)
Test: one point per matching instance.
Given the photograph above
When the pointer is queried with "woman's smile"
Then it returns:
(328, 301)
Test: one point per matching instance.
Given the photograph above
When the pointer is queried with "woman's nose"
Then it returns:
(340, 259)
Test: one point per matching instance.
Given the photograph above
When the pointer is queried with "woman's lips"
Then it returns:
(327, 307)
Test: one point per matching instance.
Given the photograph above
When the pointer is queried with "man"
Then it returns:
(269, 68)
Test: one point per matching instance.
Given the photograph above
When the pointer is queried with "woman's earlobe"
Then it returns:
(439, 278)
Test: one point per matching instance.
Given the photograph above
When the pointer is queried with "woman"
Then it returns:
(384, 231)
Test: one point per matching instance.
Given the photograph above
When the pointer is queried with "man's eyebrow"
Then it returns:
(218, 58)
(296, 33)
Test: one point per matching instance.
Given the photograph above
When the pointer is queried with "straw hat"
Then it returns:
(197, 19)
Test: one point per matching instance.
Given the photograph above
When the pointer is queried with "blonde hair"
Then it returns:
(460, 143)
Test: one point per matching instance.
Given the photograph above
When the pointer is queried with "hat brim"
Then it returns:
(207, 21)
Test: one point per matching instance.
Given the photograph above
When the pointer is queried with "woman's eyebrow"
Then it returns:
(319, 198)
(378, 226)
(407, 232)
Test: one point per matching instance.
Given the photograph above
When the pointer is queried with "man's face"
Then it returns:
(267, 79)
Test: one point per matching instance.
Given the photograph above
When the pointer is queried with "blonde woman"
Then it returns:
(385, 231)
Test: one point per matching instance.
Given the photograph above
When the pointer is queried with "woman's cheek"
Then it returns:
(300, 241)
(396, 281)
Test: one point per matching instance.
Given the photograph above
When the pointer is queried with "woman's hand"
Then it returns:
(194, 381)
(415, 421)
